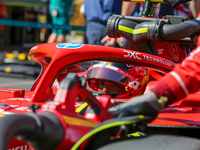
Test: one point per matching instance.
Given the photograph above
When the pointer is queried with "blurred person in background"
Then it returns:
(97, 13)
(182, 10)
(135, 9)
(59, 11)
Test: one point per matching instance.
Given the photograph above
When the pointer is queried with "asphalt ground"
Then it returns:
(16, 82)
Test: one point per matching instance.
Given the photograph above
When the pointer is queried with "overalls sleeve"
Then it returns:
(183, 80)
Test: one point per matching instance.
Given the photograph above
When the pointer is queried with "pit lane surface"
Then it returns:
(16, 82)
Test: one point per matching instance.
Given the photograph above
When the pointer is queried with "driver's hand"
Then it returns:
(120, 41)
(147, 105)
(178, 2)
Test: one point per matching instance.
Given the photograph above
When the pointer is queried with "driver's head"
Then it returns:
(109, 86)
(118, 80)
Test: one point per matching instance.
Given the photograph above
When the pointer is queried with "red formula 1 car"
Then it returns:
(46, 118)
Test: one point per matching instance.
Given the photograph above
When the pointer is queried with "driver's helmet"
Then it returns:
(125, 80)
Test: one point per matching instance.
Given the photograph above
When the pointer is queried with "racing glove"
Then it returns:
(148, 105)
(178, 2)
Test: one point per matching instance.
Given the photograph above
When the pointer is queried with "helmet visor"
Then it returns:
(114, 75)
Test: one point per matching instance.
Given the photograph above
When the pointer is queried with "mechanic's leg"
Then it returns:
(52, 38)
(54, 14)
(61, 38)
(63, 19)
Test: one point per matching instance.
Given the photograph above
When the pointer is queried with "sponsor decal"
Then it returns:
(139, 56)
(25, 147)
(131, 54)
(160, 51)
(69, 45)
(173, 51)
(164, 62)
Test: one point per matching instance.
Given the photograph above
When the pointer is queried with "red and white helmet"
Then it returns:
(133, 78)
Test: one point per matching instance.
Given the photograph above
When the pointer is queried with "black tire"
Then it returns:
(155, 142)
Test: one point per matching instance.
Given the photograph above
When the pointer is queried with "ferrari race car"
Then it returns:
(49, 116)
(46, 117)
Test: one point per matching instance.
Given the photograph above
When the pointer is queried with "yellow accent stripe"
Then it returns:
(79, 122)
(2, 115)
(140, 116)
(100, 129)
(132, 31)
(163, 100)
(135, 134)
(80, 108)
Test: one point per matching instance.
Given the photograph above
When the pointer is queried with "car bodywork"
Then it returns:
(56, 60)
